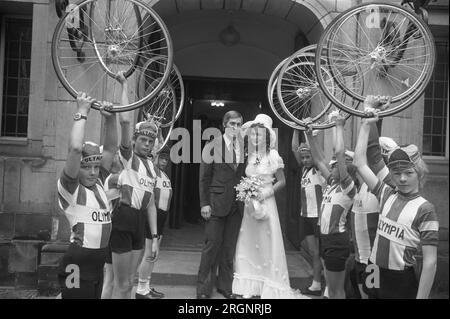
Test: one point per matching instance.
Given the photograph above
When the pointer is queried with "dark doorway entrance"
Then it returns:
(249, 98)
(246, 97)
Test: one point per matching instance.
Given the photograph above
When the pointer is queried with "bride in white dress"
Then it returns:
(260, 259)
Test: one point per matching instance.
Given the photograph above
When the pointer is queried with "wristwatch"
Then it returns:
(78, 116)
(155, 236)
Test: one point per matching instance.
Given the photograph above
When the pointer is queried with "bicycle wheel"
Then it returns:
(273, 99)
(393, 48)
(123, 52)
(147, 82)
(162, 110)
(162, 107)
(279, 112)
(300, 95)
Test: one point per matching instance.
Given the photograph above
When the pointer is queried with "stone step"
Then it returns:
(165, 279)
(176, 267)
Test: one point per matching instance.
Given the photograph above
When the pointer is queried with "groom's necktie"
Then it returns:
(233, 147)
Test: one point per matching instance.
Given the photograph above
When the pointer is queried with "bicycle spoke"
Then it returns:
(355, 46)
(369, 41)
(82, 74)
(119, 21)
(388, 19)
(427, 55)
(145, 35)
(302, 82)
(129, 47)
(289, 101)
(409, 70)
(414, 53)
(142, 23)
(404, 41)
(397, 31)
(395, 83)
(78, 64)
(301, 75)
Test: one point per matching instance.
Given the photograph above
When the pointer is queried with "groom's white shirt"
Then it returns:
(228, 143)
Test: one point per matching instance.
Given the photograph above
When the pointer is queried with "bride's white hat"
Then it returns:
(266, 121)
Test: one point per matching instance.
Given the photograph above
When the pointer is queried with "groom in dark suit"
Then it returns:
(220, 171)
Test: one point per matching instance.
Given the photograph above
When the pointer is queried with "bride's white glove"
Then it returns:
(265, 193)
(258, 211)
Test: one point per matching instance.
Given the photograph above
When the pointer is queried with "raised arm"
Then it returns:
(360, 159)
(295, 144)
(125, 118)
(76, 138)
(317, 154)
(340, 146)
(368, 144)
(374, 157)
(110, 143)
(159, 139)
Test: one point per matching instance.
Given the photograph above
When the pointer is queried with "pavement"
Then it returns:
(175, 273)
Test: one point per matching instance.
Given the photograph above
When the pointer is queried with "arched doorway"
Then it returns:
(262, 33)
(223, 44)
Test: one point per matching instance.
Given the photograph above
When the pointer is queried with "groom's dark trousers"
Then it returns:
(217, 180)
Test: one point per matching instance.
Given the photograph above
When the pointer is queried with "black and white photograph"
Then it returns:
(224, 154)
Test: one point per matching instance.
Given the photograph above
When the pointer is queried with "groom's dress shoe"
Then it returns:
(146, 296)
(308, 291)
(227, 295)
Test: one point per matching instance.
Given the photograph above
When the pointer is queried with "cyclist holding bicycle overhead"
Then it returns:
(336, 203)
(82, 197)
(137, 204)
(406, 222)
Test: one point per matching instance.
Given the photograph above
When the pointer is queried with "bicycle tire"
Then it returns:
(271, 97)
(400, 102)
(166, 128)
(175, 81)
(289, 81)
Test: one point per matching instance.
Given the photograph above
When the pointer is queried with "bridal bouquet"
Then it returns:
(247, 191)
(248, 188)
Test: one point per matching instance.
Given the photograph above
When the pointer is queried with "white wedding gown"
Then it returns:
(260, 260)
